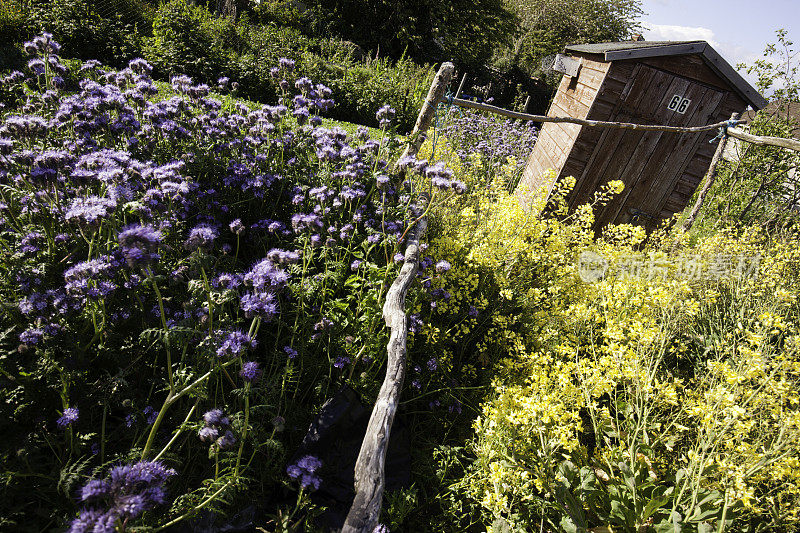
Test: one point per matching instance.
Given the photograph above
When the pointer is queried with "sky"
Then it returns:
(737, 29)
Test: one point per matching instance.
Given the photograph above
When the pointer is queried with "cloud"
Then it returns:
(667, 32)
(733, 53)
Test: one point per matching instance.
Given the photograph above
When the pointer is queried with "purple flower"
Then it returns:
(150, 414)
(69, 417)
(235, 344)
(385, 115)
(215, 417)
(356, 264)
(31, 336)
(201, 237)
(128, 491)
(139, 244)
(432, 364)
(442, 266)
(227, 440)
(208, 434)
(286, 64)
(283, 257)
(473, 311)
(291, 352)
(236, 226)
(304, 471)
(250, 371)
(91, 210)
(140, 66)
(265, 275)
(95, 489)
(341, 362)
(262, 304)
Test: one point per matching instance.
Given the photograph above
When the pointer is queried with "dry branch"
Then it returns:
(428, 111)
(369, 472)
(780, 142)
(738, 133)
(711, 176)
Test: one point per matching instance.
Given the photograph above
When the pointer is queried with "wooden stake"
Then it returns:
(428, 111)
(711, 176)
(369, 471)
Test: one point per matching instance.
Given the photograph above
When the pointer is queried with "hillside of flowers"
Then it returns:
(191, 329)
(185, 281)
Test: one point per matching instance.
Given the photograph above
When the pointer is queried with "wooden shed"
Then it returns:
(683, 83)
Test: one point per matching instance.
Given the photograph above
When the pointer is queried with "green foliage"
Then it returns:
(111, 32)
(188, 39)
(546, 26)
(760, 185)
(466, 31)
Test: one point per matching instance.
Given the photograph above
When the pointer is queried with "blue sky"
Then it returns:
(738, 29)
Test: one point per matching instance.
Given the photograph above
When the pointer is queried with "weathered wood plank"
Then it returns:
(660, 174)
(615, 147)
(688, 66)
(634, 151)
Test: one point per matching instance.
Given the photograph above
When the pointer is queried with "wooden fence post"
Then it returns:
(369, 472)
(711, 176)
(428, 111)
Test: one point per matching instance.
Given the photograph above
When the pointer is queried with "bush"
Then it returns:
(188, 39)
(111, 32)
(654, 402)
(170, 257)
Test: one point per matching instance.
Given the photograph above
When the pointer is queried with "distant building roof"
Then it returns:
(640, 49)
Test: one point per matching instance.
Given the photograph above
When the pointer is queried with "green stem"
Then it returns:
(153, 430)
(210, 303)
(103, 432)
(195, 509)
(166, 330)
(246, 426)
(177, 433)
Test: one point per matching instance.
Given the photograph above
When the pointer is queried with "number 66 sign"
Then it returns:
(679, 104)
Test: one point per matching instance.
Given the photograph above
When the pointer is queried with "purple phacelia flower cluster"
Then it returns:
(304, 471)
(126, 493)
(201, 237)
(217, 430)
(139, 244)
(494, 138)
(70, 416)
(235, 344)
(250, 372)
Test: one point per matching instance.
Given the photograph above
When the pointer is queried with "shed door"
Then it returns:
(648, 163)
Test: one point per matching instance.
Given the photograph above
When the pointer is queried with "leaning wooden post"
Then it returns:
(428, 111)
(369, 471)
(711, 176)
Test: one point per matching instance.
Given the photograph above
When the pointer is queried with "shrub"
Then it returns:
(188, 39)
(111, 32)
(667, 401)
(185, 281)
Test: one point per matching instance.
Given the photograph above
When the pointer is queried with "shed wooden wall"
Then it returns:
(660, 170)
(574, 98)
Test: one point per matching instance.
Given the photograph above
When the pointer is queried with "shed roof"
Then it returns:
(639, 49)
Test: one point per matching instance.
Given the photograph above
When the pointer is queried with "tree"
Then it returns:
(464, 31)
(544, 27)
